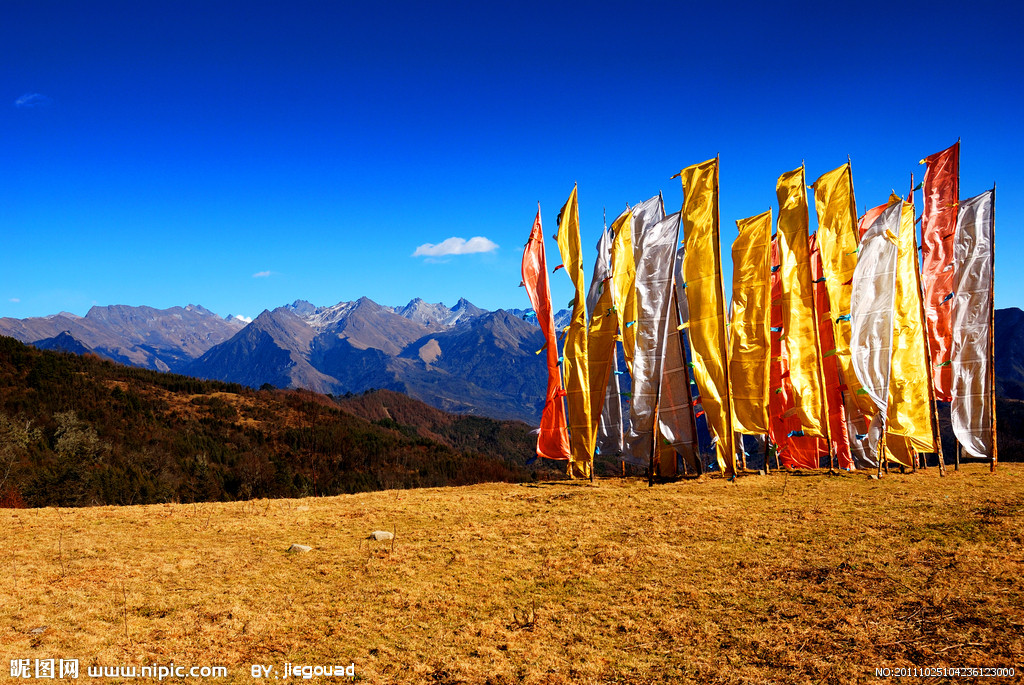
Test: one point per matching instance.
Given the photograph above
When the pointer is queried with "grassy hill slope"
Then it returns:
(783, 579)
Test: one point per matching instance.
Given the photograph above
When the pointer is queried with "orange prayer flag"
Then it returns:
(553, 438)
(938, 225)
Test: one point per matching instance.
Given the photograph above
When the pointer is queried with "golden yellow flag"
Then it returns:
(838, 241)
(899, 449)
(600, 345)
(749, 341)
(624, 284)
(909, 397)
(574, 351)
(705, 295)
(799, 332)
(601, 335)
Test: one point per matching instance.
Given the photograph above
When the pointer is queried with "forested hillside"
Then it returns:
(78, 430)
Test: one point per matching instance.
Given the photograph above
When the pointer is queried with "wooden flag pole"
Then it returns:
(817, 336)
(820, 369)
(885, 457)
(729, 422)
(880, 455)
(654, 446)
(861, 416)
(928, 365)
(656, 428)
(992, 329)
(683, 344)
(924, 324)
(721, 303)
(684, 341)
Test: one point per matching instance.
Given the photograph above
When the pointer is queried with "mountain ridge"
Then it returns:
(461, 359)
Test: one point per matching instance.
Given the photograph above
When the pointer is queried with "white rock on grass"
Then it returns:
(381, 535)
(299, 548)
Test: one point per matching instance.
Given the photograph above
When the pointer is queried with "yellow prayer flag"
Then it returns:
(574, 352)
(749, 341)
(600, 349)
(838, 241)
(909, 397)
(799, 330)
(899, 449)
(705, 295)
(624, 283)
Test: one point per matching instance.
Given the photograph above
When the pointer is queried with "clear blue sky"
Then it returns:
(244, 155)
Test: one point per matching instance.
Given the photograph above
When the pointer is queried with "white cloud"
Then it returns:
(32, 100)
(15, 300)
(246, 319)
(455, 246)
(262, 274)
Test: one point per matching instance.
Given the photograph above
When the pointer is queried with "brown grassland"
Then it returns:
(781, 578)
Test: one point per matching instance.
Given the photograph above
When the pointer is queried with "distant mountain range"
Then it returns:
(159, 339)
(462, 359)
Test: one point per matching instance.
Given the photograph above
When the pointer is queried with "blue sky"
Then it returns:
(244, 155)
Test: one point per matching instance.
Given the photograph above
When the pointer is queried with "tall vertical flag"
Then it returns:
(972, 409)
(838, 241)
(646, 214)
(654, 280)
(705, 296)
(798, 316)
(574, 351)
(938, 226)
(792, 448)
(605, 408)
(872, 305)
(910, 411)
(624, 284)
(675, 405)
(749, 340)
(553, 438)
(679, 424)
(831, 374)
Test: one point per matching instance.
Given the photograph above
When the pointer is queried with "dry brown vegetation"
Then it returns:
(782, 578)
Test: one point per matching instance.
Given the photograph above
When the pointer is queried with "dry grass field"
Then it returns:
(782, 578)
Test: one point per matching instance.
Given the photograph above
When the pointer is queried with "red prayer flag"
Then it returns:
(797, 452)
(838, 433)
(869, 218)
(553, 438)
(938, 223)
